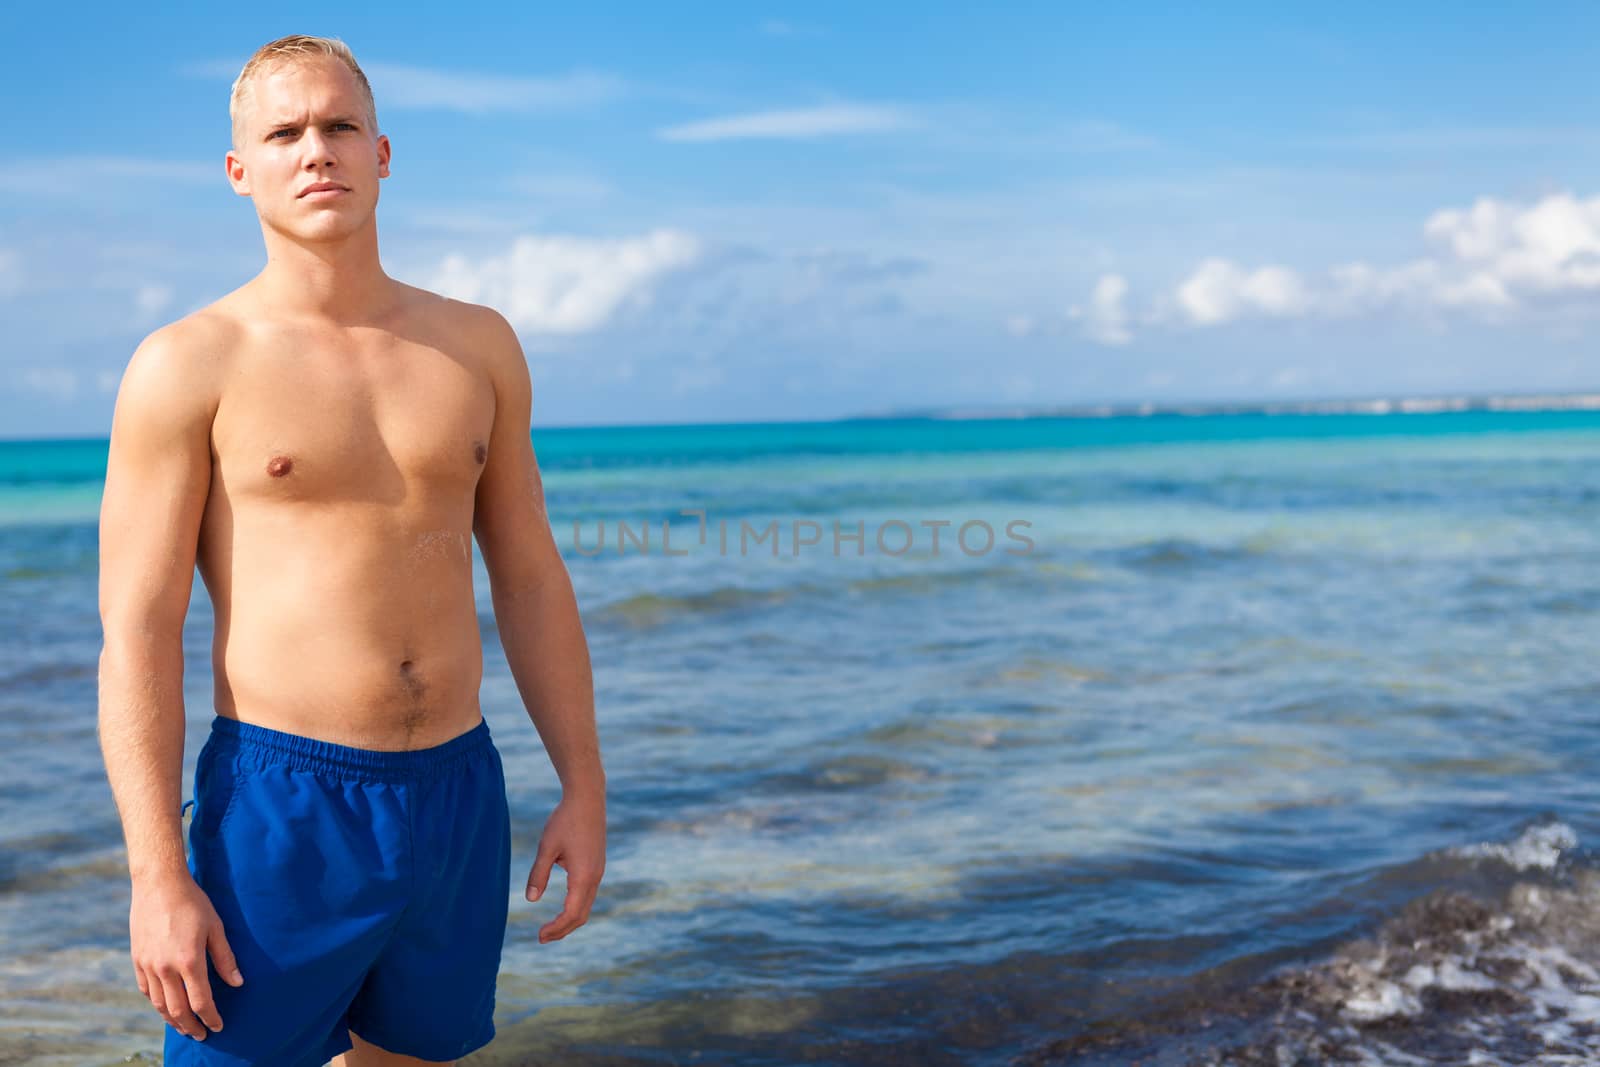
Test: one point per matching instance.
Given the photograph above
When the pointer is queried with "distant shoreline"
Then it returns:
(1372, 405)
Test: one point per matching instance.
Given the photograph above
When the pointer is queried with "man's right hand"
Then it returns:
(171, 927)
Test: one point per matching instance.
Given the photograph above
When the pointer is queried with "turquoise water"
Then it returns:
(1246, 688)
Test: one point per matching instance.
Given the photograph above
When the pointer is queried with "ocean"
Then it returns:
(1193, 739)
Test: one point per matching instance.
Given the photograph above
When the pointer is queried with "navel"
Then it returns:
(278, 466)
(480, 452)
(410, 681)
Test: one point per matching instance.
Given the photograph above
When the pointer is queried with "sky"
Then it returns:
(733, 212)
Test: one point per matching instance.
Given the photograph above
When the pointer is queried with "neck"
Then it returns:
(339, 281)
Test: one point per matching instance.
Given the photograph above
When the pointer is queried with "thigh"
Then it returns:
(364, 1053)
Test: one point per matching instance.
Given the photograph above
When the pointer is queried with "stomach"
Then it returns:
(362, 638)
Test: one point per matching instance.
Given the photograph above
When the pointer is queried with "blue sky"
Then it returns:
(728, 212)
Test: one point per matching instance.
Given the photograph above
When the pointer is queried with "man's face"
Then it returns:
(305, 124)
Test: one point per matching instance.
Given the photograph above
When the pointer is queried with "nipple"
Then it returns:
(479, 452)
(278, 466)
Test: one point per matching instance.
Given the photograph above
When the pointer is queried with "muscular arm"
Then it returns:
(537, 617)
(535, 610)
(158, 474)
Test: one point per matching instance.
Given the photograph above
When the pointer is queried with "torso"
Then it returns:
(336, 543)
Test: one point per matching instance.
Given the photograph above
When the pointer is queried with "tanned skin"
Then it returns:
(322, 443)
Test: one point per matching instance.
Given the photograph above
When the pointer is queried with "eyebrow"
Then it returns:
(287, 124)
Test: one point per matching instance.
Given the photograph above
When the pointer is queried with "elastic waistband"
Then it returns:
(267, 745)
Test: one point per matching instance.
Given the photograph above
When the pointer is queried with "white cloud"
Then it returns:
(400, 85)
(58, 382)
(1457, 139)
(1359, 287)
(1220, 291)
(91, 174)
(1480, 290)
(151, 298)
(1494, 257)
(797, 123)
(1020, 325)
(1553, 245)
(421, 88)
(1106, 318)
(566, 285)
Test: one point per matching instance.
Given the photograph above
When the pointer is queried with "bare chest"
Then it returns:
(328, 425)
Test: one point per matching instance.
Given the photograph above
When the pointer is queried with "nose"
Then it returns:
(318, 149)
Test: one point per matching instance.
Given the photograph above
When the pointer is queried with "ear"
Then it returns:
(384, 151)
(237, 176)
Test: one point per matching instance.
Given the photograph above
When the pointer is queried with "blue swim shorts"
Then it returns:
(360, 890)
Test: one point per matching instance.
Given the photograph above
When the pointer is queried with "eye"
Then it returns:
(288, 129)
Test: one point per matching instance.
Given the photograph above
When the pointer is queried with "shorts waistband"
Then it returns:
(312, 754)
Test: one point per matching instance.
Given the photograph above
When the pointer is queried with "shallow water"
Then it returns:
(1276, 747)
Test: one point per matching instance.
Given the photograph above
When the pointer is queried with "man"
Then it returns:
(322, 442)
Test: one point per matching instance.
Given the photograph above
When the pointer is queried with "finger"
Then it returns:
(562, 924)
(160, 997)
(153, 990)
(222, 955)
(177, 1006)
(144, 983)
(539, 877)
(198, 987)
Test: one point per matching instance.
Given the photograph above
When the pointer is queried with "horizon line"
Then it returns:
(1349, 404)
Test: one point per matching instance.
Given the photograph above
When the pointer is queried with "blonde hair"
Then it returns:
(295, 48)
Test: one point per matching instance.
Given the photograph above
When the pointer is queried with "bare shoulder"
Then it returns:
(175, 374)
(488, 327)
(486, 337)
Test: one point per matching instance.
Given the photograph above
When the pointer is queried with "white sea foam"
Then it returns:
(1537, 847)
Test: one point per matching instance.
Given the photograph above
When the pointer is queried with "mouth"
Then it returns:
(317, 194)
